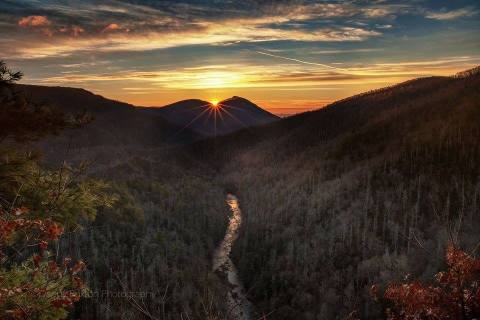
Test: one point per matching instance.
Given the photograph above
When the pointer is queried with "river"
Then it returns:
(238, 306)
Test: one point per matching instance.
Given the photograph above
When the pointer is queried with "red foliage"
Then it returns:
(43, 245)
(66, 300)
(33, 230)
(52, 267)
(36, 260)
(78, 282)
(23, 232)
(78, 267)
(455, 294)
(17, 313)
(54, 231)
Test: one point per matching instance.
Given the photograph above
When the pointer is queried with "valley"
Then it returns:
(239, 160)
(364, 191)
(238, 305)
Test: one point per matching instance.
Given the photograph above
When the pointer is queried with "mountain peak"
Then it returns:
(229, 115)
(237, 98)
(187, 103)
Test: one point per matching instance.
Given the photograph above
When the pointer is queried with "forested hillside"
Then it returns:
(116, 130)
(140, 218)
(149, 255)
(153, 247)
(364, 191)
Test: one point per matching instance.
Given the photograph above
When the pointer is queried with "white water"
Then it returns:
(238, 306)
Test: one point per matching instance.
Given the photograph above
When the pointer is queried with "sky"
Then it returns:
(287, 56)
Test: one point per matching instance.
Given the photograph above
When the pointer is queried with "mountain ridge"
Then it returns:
(233, 113)
(306, 129)
(207, 119)
(116, 126)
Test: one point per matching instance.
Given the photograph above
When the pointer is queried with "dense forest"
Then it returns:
(365, 193)
(153, 247)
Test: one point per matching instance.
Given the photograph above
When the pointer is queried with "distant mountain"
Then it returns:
(206, 119)
(116, 125)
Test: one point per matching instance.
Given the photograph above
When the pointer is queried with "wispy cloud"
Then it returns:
(297, 74)
(209, 33)
(340, 51)
(452, 14)
(386, 10)
(34, 21)
(148, 25)
(112, 27)
(41, 23)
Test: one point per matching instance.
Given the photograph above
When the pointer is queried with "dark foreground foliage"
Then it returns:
(36, 206)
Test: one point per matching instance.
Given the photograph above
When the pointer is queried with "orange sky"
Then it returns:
(280, 95)
(285, 56)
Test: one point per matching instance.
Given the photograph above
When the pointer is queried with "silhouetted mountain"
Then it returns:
(209, 120)
(116, 125)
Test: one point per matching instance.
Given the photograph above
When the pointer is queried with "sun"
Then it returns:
(214, 102)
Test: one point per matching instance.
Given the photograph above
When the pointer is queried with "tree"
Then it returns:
(35, 207)
(455, 293)
(36, 287)
(24, 120)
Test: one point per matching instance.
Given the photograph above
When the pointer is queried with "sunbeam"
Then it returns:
(192, 121)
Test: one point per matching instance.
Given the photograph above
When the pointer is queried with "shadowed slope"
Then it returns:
(379, 117)
(115, 126)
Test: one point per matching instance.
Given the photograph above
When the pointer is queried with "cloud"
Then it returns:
(111, 27)
(153, 25)
(342, 51)
(383, 26)
(203, 34)
(74, 31)
(157, 25)
(451, 15)
(34, 21)
(385, 10)
(443, 61)
(45, 25)
(40, 22)
(291, 73)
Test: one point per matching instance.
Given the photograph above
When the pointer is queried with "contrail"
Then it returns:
(301, 61)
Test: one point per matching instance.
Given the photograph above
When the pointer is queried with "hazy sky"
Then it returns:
(284, 55)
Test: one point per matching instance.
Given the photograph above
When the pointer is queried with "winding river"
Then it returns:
(238, 306)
